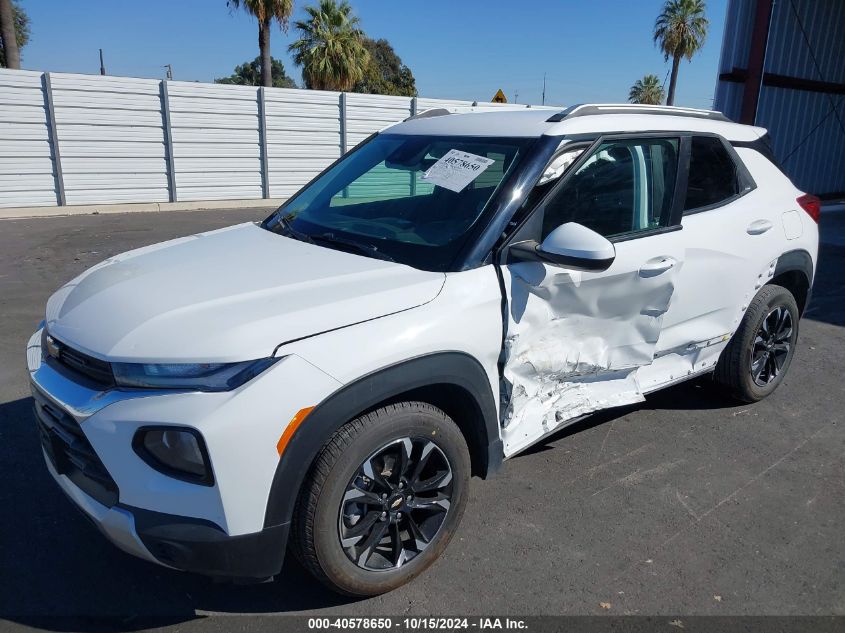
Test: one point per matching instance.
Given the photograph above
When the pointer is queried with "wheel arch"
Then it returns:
(453, 381)
(794, 271)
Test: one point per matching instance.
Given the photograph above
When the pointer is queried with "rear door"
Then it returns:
(729, 235)
(575, 340)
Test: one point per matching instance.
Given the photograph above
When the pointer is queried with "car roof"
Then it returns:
(582, 119)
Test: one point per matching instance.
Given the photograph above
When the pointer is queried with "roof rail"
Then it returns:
(591, 109)
(428, 113)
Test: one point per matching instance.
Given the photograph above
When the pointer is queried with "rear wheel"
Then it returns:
(761, 350)
(383, 499)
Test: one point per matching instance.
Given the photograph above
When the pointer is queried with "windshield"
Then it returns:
(411, 199)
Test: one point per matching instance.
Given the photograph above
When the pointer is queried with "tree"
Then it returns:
(385, 74)
(14, 33)
(249, 74)
(647, 90)
(680, 31)
(266, 11)
(331, 48)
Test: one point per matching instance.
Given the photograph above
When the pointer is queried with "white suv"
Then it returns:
(445, 295)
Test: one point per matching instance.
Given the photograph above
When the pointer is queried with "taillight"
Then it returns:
(812, 205)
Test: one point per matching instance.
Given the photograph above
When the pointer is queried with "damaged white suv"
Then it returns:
(451, 291)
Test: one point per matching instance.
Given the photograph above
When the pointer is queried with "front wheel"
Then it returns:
(761, 350)
(383, 499)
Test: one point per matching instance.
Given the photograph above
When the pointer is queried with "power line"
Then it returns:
(833, 104)
(804, 140)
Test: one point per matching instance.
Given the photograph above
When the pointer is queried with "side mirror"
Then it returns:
(570, 245)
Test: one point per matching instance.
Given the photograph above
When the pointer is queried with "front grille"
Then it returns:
(93, 369)
(71, 453)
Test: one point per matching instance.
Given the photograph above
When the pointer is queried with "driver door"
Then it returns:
(575, 339)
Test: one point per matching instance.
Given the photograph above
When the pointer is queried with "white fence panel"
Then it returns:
(216, 148)
(27, 176)
(424, 104)
(303, 136)
(111, 139)
(110, 142)
(366, 114)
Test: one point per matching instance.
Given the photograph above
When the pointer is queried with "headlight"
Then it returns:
(175, 451)
(196, 376)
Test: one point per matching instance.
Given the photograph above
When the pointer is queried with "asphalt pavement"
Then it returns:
(688, 503)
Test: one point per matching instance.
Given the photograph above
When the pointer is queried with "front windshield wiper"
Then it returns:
(287, 229)
(366, 249)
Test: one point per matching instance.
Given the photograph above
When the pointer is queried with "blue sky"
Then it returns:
(591, 50)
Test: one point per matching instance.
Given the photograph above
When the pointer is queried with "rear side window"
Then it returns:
(713, 175)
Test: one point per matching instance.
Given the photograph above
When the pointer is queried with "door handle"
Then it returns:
(657, 265)
(758, 227)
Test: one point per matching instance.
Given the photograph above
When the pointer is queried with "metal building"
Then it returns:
(783, 68)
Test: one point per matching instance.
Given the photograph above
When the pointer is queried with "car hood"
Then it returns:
(227, 295)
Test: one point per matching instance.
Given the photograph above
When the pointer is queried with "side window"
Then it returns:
(712, 174)
(625, 186)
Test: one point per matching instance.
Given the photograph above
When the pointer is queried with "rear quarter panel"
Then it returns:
(795, 228)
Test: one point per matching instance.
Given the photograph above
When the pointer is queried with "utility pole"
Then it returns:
(102, 64)
(169, 71)
(543, 102)
(515, 96)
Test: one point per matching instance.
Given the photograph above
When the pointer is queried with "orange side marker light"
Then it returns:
(298, 419)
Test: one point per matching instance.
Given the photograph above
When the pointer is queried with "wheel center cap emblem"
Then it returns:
(396, 503)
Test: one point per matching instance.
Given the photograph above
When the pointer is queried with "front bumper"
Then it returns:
(204, 548)
(217, 530)
(116, 523)
(179, 542)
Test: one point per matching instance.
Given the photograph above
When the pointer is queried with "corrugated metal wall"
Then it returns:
(216, 150)
(115, 136)
(303, 136)
(110, 135)
(807, 128)
(366, 114)
(26, 163)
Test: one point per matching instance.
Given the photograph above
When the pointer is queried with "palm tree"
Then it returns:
(8, 36)
(265, 11)
(330, 48)
(679, 31)
(647, 90)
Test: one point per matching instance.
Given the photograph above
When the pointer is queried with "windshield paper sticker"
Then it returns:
(456, 170)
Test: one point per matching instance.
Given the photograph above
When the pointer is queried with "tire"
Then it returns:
(751, 380)
(366, 454)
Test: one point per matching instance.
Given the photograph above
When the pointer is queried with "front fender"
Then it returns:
(455, 369)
